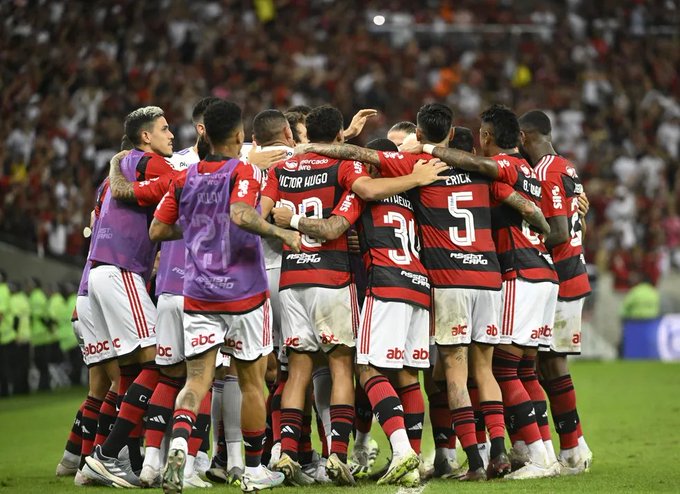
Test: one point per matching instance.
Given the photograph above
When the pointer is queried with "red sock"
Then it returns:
(132, 410)
(464, 426)
(128, 374)
(291, 428)
(364, 413)
(321, 432)
(527, 374)
(519, 409)
(563, 409)
(411, 398)
(276, 411)
(75, 437)
(440, 417)
(473, 391)
(89, 424)
(202, 423)
(253, 442)
(342, 423)
(183, 423)
(385, 404)
(161, 406)
(107, 417)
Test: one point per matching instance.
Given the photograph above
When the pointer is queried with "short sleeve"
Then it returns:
(245, 185)
(153, 167)
(395, 164)
(150, 192)
(350, 207)
(553, 197)
(167, 210)
(350, 172)
(270, 185)
(501, 191)
(507, 172)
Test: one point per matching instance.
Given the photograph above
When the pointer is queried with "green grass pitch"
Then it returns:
(630, 413)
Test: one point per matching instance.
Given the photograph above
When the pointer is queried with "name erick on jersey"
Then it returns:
(389, 244)
(313, 186)
(521, 252)
(560, 187)
(458, 250)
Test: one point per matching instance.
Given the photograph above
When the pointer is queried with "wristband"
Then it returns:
(295, 220)
(428, 148)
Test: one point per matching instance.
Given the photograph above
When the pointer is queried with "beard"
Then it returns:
(202, 147)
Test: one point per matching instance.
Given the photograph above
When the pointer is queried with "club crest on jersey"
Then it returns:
(571, 171)
(290, 165)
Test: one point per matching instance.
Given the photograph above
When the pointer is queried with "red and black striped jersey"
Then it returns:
(314, 186)
(561, 187)
(389, 245)
(521, 252)
(455, 225)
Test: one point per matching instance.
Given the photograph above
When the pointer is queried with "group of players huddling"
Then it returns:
(335, 275)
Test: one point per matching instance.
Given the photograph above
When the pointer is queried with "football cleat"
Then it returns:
(474, 475)
(275, 455)
(447, 468)
(81, 480)
(533, 470)
(65, 468)
(202, 463)
(498, 467)
(292, 471)
(217, 472)
(195, 482)
(117, 471)
(338, 471)
(400, 466)
(518, 455)
(264, 479)
(410, 479)
(150, 476)
(173, 474)
(234, 476)
(572, 465)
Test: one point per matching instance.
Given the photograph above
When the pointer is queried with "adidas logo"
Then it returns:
(334, 433)
(85, 430)
(288, 429)
(532, 414)
(184, 417)
(442, 437)
(158, 419)
(247, 444)
(399, 407)
(416, 427)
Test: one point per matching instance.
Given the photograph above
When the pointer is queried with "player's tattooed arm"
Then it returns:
(245, 216)
(121, 188)
(320, 228)
(529, 211)
(348, 152)
(159, 231)
(466, 161)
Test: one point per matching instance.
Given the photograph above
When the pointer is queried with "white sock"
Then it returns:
(582, 444)
(399, 442)
(362, 439)
(216, 412)
(322, 382)
(231, 416)
(538, 454)
(152, 458)
(189, 466)
(451, 454)
(550, 449)
(441, 453)
(254, 470)
(234, 455)
(179, 443)
(569, 453)
(519, 446)
(70, 458)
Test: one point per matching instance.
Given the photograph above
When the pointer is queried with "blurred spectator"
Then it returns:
(607, 71)
(642, 301)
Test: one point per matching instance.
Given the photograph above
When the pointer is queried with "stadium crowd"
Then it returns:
(608, 69)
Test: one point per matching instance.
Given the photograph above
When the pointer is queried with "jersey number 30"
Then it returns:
(406, 233)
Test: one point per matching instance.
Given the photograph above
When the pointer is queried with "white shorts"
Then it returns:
(122, 310)
(318, 318)
(243, 336)
(273, 276)
(566, 335)
(170, 329)
(528, 313)
(393, 335)
(464, 315)
(96, 347)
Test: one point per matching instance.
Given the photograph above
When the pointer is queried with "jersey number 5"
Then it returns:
(468, 237)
